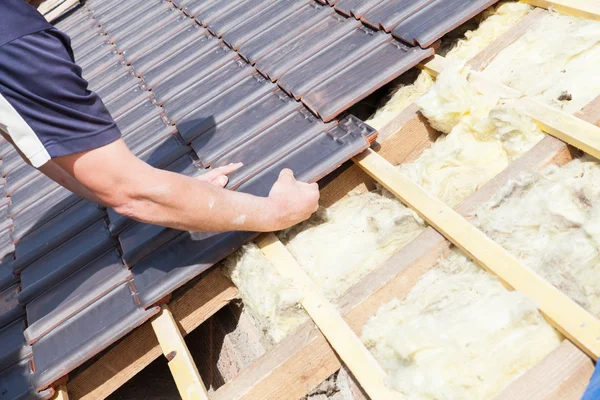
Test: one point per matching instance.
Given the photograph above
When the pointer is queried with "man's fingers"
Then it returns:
(228, 169)
(224, 170)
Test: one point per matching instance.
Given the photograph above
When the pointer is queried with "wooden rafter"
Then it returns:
(589, 9)
(341, 337)
(180, 360)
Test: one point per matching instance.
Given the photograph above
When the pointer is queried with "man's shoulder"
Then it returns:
(19, 18)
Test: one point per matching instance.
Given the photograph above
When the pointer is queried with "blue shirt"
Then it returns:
(45, 106)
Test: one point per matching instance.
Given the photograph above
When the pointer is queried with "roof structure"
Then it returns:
(192, 84)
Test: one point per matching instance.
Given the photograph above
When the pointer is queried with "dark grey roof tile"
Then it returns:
(15, 384)
(352, 84)
(64, 260)
(75, 293)
(55, 232)
(86, 334)
(305, 76)
(285, 30)
(230, 101)
(14, 347)
(211, 138)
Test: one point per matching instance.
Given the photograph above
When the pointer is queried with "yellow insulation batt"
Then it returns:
(459, 334)
(482, 138)
(551, 221)
(495, 22)
(556, 62)
(337, 247)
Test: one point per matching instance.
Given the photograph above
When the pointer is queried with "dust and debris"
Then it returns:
(565, 96)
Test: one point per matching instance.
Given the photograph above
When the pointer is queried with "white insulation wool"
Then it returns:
(496, 20)
(556, 61)
(482, 138)
(337, 247)
(551, 221)
(459, 334)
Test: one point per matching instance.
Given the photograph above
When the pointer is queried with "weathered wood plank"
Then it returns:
(561, 375)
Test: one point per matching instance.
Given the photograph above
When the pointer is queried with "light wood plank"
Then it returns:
(561, 375)
(589, 9)
(563, 313)
(344, 341)
(60, 393)
(137, 350)
(182, 365)
(566, 127)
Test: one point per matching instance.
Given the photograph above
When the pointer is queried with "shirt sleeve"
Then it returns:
(45, 105)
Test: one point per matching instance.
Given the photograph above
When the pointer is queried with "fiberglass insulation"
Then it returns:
(337, 247)
(459, 334)
(551, 222)
(482, 138)
(496, 21)
(556, 61)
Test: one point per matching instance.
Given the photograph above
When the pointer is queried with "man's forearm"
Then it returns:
(180, 202)
(135, 189)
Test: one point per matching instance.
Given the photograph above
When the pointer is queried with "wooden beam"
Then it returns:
(133, 353)
(60, 393)
(562, 375)
(182, 365)
(563, 313)
(591, 112)
(344, 341)
(589, 9)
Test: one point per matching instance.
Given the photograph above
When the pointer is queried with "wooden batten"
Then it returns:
(589, 9)
(180, 361)
(342, 339)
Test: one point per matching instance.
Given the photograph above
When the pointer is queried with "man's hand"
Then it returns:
(292, 201)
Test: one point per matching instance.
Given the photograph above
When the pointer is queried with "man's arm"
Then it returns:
(137, 190)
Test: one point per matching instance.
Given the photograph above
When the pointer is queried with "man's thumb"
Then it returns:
(286, 172)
